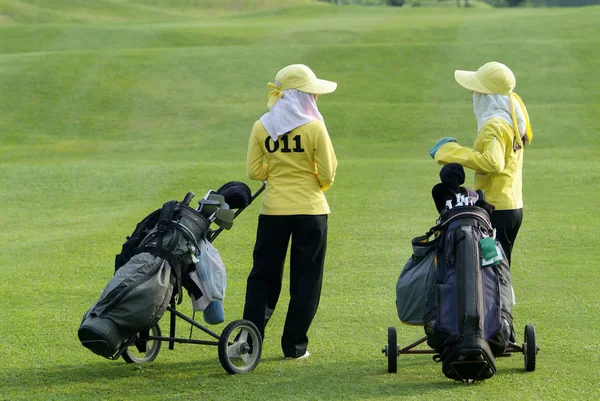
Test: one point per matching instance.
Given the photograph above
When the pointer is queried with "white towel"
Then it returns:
(487, 106)
(294, 109)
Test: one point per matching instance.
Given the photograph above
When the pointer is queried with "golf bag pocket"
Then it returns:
(447, 321)
(441, 324)
(134, 300)
(492, 322)
(416, 278)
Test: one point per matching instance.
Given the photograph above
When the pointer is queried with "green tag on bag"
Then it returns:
(488, 248)
(490, 252)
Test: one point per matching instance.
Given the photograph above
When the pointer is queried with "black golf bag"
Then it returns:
(468, 319)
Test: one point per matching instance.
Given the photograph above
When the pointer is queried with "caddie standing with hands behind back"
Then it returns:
(290, 149)
(497, 154)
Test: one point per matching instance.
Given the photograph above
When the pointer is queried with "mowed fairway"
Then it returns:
(108, 109)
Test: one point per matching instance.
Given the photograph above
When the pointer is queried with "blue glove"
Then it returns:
(438, 144)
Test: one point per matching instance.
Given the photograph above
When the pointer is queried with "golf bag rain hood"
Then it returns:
(138, 294)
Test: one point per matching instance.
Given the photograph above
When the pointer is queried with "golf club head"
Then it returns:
(217, 197)
(210, 204)
(207, 207)
(224, 218)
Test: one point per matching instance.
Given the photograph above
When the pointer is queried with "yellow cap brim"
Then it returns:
(318, 87)
(468, 80)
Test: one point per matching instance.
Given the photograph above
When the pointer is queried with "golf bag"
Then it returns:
(148, 275)
(468, 319)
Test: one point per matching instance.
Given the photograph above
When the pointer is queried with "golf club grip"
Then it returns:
(188, 198)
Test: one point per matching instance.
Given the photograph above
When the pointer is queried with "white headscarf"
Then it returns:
(293, 109)
(487, 106)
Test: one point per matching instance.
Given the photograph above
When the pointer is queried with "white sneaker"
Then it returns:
(305, 356)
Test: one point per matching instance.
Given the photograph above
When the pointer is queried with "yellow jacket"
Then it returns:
(298, 168)
(497, 161)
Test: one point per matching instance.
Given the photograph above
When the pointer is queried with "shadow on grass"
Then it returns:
(274, 379)
(323, 377)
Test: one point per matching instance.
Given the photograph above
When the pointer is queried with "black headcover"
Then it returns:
(237, 194)
(452, 176)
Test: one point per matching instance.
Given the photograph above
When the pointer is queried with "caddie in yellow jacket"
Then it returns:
(299, 166)
(290, 149)
(497, 154)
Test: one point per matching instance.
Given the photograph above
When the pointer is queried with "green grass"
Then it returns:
(110, 108)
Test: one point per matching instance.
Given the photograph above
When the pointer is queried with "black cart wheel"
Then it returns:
(240, 346)
(391, 350)
(143, 350)
(530, 348)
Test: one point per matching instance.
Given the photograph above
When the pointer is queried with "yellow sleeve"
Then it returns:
(488, 158)
(325, 159)
(256, 168)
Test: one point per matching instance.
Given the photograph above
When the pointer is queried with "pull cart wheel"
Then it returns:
(240, 346)
(530, 348)
(143, 350)
(391, 350)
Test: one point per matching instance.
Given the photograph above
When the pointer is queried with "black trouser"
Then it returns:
(309, 243)
(507, 224)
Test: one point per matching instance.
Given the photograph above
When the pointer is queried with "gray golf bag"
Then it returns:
(138, 294)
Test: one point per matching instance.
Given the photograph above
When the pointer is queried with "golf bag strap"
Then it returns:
(166, 215)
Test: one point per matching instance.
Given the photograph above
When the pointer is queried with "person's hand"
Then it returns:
(438, 144)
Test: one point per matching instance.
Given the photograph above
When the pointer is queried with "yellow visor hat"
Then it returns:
(300, 77)
(491, 78)
(496, 78)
